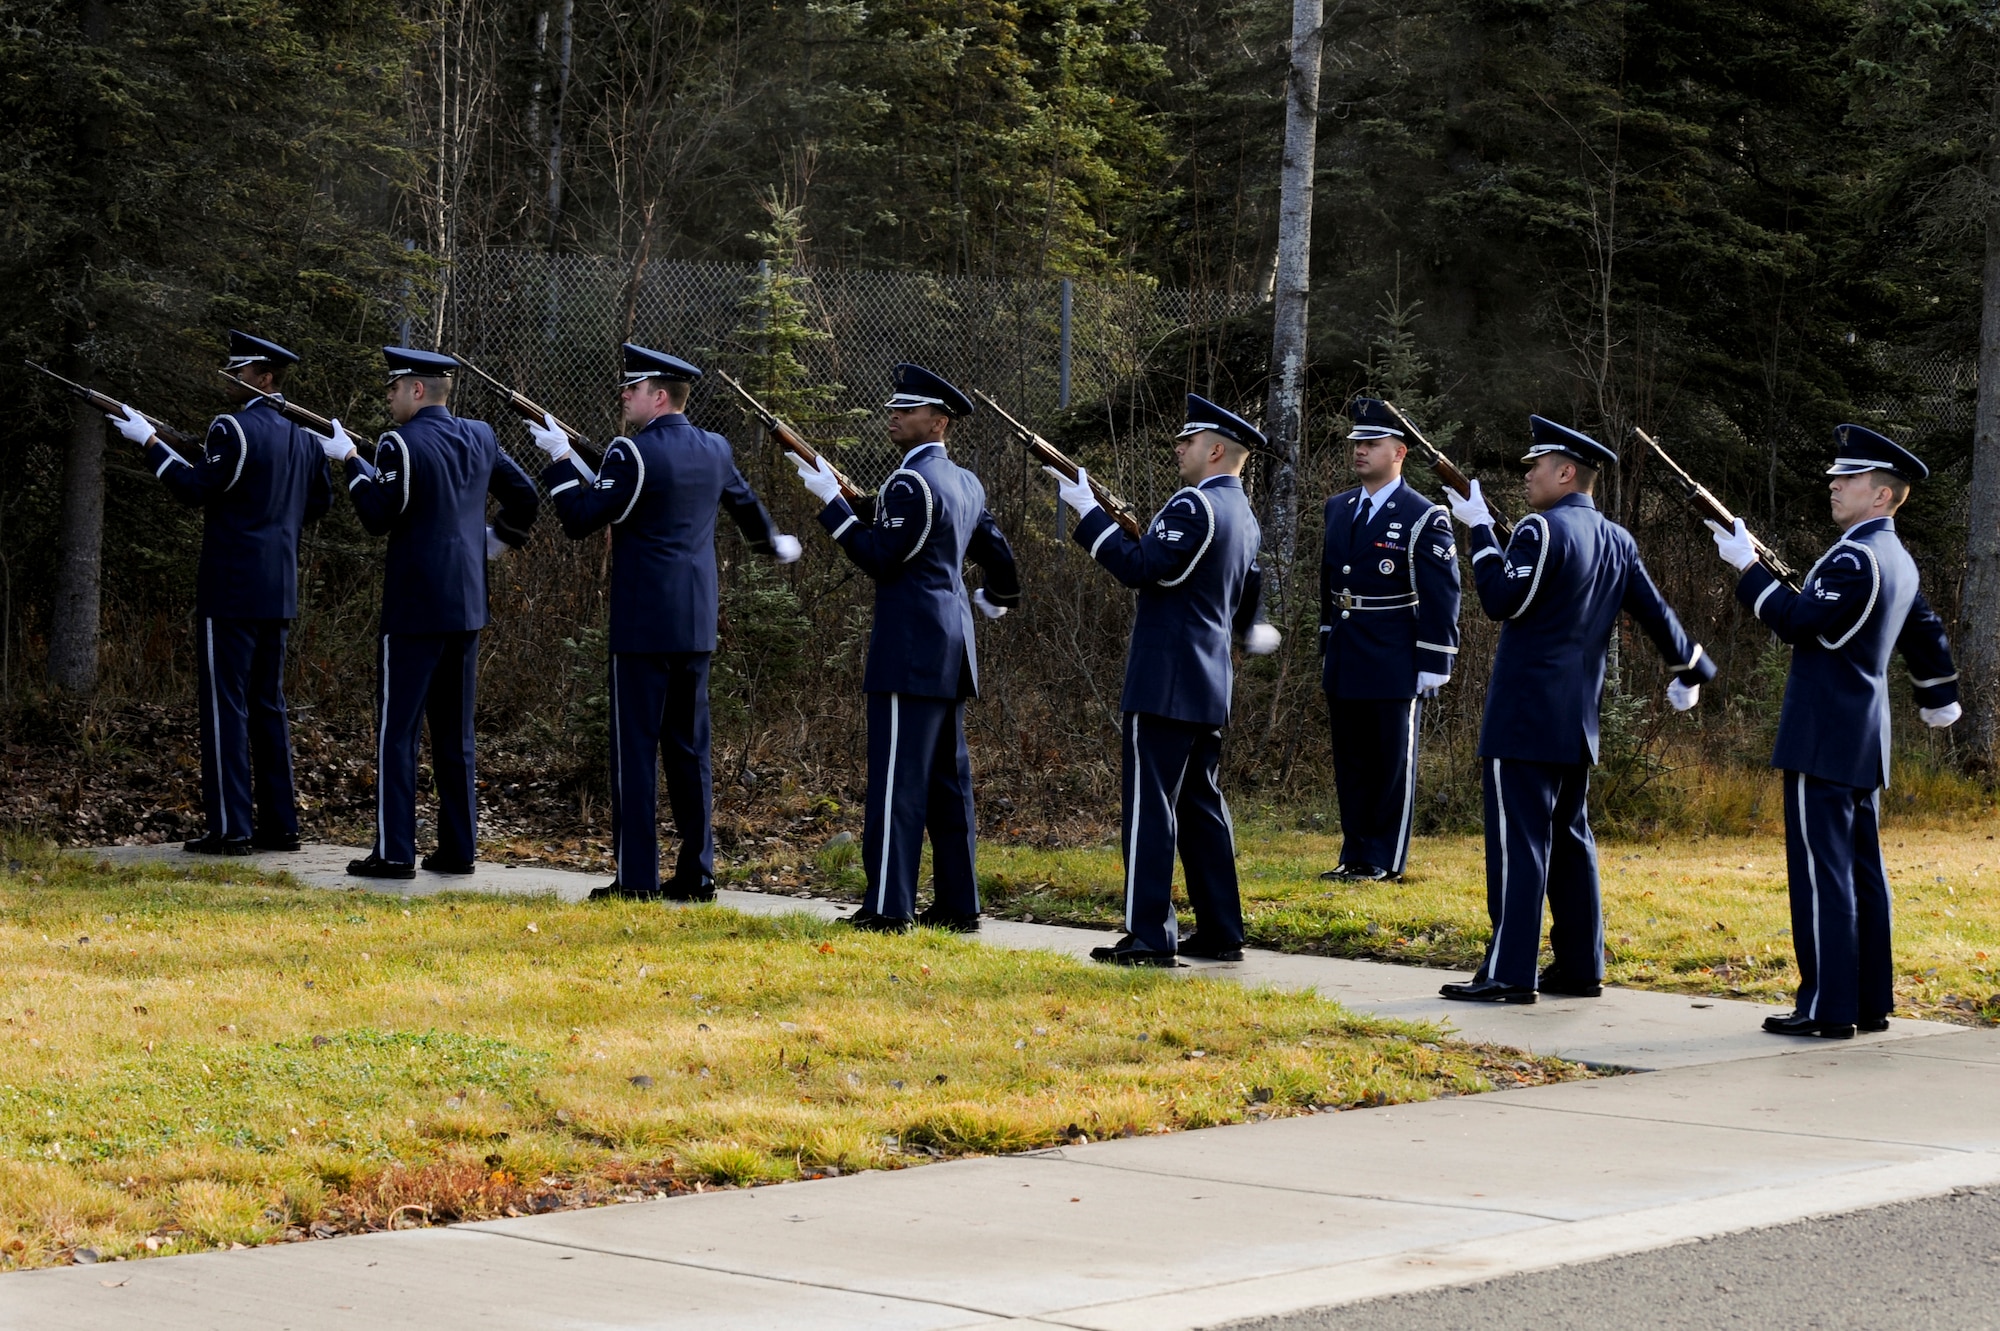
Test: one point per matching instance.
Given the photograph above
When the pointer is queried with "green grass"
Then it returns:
(212, 1058)
(1697, 914)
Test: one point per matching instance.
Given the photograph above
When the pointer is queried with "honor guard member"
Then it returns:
(1388, 632)
(1195, 569)
(1557, 590)
(257, 480)
(1860, 602)
(929, 518)
(426, 491)
(659, 490)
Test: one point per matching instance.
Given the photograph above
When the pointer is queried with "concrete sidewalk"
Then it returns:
(1738, 1130)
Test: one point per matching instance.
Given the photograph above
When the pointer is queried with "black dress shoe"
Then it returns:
(1487, 991)
(377, 867)
(1126, 953)
(438, 864)
(1199, 946)
(212, 844)
(688, 889)
(868, 922)
(274, 841)
(619, 892)
(1555, 983)
(1797, 1023)
(1358, 873)
(1872, 1025)
(933, 918)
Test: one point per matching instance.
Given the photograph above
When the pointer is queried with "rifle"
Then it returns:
(791, 440)
(291, 411)
(1121, 512)
(530, 410)
(1708, 506)
(1448, 472)
(111, 406)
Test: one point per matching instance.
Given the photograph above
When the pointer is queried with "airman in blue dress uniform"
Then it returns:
(659, 490)
(929, 518)
(427, 491)
(257, 480)
(1388, 634)
(1859, 604)
(1200, 591)
(1557, 590)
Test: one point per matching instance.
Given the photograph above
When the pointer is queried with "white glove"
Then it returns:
(1429, 682)
(1076, 493)
(1682, 696)
(136, 428)
(818, 477)
(1734, 546)
(1261, 640)
(495, 547)
(1937, 717)
(338, 446)
(786, 549)
(1470, 509)
(986, 607)
(549, 437)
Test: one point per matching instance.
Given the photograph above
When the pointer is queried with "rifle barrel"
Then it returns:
(1714, 510)
(107, 404)
(1448, 471)
(1120, 512)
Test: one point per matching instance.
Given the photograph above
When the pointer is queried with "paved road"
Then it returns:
(1930, 1265)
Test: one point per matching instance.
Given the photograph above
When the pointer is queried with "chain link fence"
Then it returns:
(549, 325)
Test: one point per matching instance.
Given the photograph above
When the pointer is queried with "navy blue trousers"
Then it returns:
(659, 709)
(1538, 844)
(1375, 770)
(418, 676)
(246, 737)
(1173, 802)
(919, 777)
(1840, 899)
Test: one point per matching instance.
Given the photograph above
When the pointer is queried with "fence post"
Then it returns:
(1062, 351)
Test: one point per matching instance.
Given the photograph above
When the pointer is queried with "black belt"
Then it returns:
(1349, 601)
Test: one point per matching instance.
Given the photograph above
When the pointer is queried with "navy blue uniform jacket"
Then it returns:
(258, 480)
(929, 519)
(659, 491)
(426, 491)
(1860, 602)
(1404, 553)
(1195, 569)
(1557, 589)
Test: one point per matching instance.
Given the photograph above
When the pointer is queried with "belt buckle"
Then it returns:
(1346, 600)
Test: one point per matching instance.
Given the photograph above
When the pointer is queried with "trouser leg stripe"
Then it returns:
(888, 805)
(381, 759)
(1500, 921)
(215, 734)
(1132, 834)
(1409, 789)
(624, 814)
(1812, 886)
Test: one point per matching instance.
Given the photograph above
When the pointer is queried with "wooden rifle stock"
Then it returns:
(1051, 456)
(1448, 472)
(530, 410)
(1704, 502)
(111, 406)
(299, 416)
(791, 440)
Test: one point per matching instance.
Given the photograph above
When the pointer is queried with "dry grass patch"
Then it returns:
(192, 1060)
(1698, 914)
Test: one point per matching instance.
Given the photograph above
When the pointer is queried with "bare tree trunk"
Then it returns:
(565, 46)
(75, 599)
(1284, 413)
(74, 607)
(1979, 607)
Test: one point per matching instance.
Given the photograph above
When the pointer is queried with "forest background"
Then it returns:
(1731, 224)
